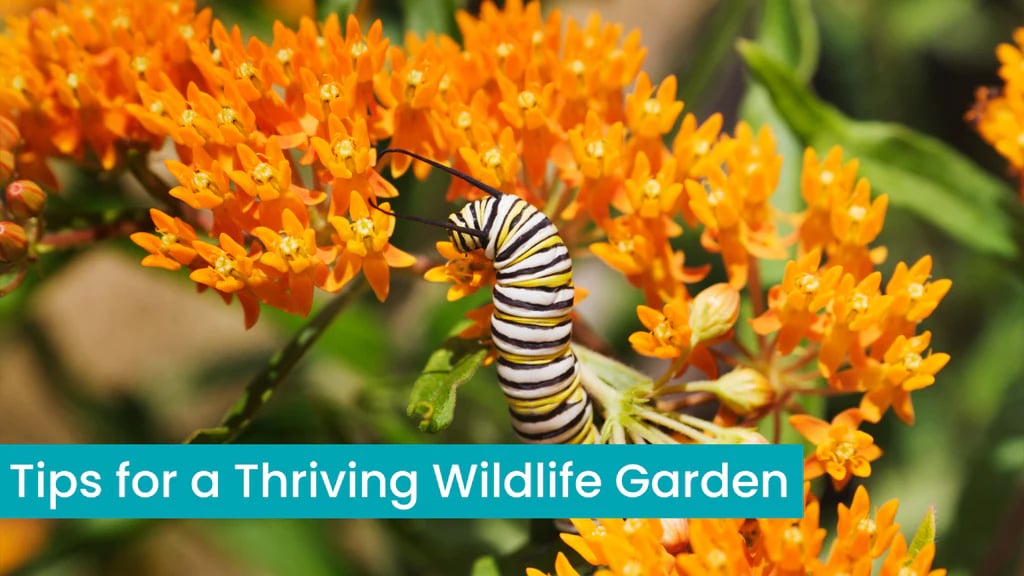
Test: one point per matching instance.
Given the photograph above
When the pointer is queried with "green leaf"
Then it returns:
(342, 8)
(259, 391)
(433, 394)
(918, 172)
(485, 566)
(436, 16)
(712, 51)
(925, 533)
(277, 547)
(789, 33)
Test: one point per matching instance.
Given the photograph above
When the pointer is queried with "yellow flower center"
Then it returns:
(857, 213)
(358, 49)
(504, 50)
(188, 117)
(715, 197)
(633, 525)
(445, 83)
(226, 266)
(157, 107)
(284, 55)
(577, 67)
(1020, 140)
(808, 283)
(652, 189)
(492, 158)
(537, 38)
(201, 181)
(595, 149)
(793, 536)
(88, 12)
(599, 532)
(186, 32)
(527, 100)
(344, 149)
(464, 120)
(414, 78)
(624, 246)
(663, 332)
(263, 173)
(701, 147)
(364, 229)
(330, 92)
(716, 559)
(826, 177)
(72, 81)
(633, 568)
(215, 55)
(859, 302)
(907, 571)
(18, 83)
(167, 240)
(291, 247)
(227, 115)
(915, 290)
(912, 361)
(652, 107)
(59, 31)
(140, 64)
(844, 451)
(867, 526)
(246, 71)
(121, 21)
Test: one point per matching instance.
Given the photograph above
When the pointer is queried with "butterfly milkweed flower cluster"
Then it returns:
(277, 192)
(998, 112)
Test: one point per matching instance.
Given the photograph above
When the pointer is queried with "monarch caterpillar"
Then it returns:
(533, 299)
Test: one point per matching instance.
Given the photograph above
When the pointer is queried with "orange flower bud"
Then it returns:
(13, 245)
(9, 135)
(714, 312)
(6, 165)
(25, 199)
(743, 390)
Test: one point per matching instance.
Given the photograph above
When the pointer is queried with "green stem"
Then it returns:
(263, 386)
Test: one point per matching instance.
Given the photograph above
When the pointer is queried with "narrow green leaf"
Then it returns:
(712, 50)
(342, 8)
(925, 533)
(486, 566)
(433, 394)
(918, 172)
(280, 365)
(422, 17)
(789, 33)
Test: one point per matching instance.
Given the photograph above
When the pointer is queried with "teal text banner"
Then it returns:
(400, 481)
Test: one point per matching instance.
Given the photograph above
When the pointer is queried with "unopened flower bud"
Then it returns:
(675, 534)
(25, 199)
(738, 435)
(6, 165)
(13, 245)
(714, 312)
(743, 390)
(9, 135)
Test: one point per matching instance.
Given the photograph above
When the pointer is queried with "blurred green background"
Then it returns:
(97, 349)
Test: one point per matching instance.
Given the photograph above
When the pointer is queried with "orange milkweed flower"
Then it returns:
(897, 563)
(841, 450)
(717, 547)
(650, 116)
(856, 318)
(469, 272)
(365, 245)
(173, 248)
(914, 299)
(232, 271)
(793, 546)
(795, 304)
(348, 157)
(625, 547)
(905, 368)
(669, 333)
(410, 92)
(654, 196)
(292, 253)
(858, 534)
